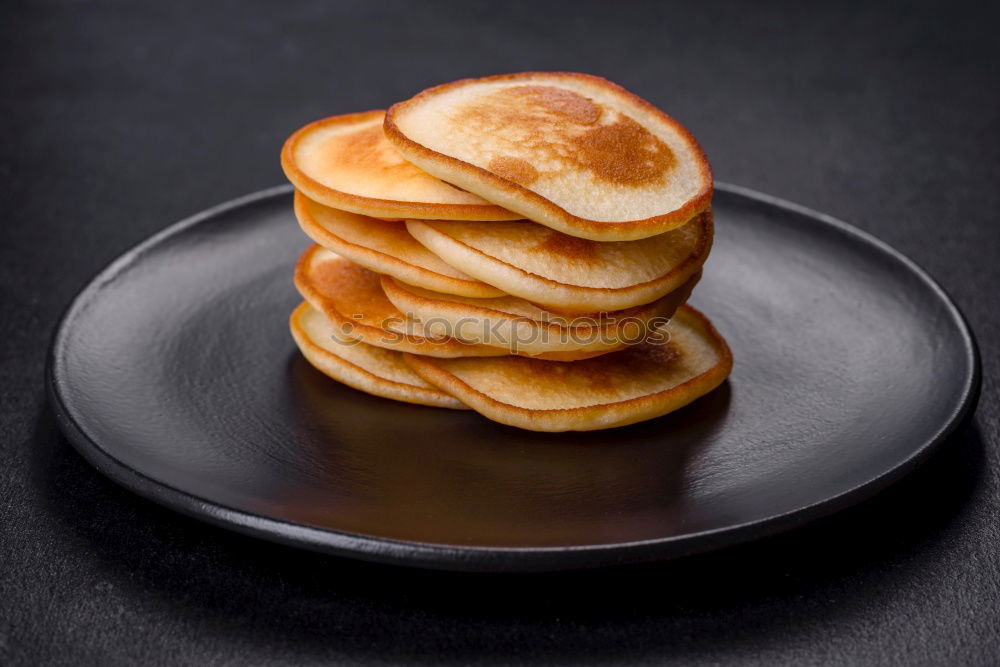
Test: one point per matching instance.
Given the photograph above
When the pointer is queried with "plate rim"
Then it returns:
(489, 558)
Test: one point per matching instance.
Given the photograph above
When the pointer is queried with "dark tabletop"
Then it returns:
(120, 119)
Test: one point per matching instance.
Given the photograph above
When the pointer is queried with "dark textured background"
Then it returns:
(120, 119)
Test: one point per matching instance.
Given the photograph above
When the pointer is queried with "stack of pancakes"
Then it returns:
(521, 245)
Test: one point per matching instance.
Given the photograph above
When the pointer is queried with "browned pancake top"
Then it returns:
(366, 150)
(355, 292)
(570, 131)
(566, 246)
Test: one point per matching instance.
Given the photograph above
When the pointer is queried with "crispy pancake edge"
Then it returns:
(374, 336)
(561, 296)
(380, 262)
(358, 378)
(602, 416)
(413, 344)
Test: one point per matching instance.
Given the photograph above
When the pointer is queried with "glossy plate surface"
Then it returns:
(174, 373)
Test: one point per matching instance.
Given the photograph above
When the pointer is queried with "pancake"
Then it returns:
(351, 298)
(574, 152)
(364, 367)
(524, 328)
(347, 163)
(384, 247)
(566, 273)
(638, 383)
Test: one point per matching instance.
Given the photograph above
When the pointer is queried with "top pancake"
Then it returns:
(347, 163)
(570, 151)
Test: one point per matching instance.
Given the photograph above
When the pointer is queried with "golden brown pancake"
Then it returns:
(367, 368)
(524, 328)
(351, 298)
(347, 163)
(384, 247)
(573, 152)
(635, 384)
(567, 273)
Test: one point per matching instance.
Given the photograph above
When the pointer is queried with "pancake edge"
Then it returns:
(528, 328)
(549, 293)
(354, 376)
(380, 262)
(452, 348)
(587, 418)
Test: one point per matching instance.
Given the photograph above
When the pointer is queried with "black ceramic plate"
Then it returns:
(173, 373)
